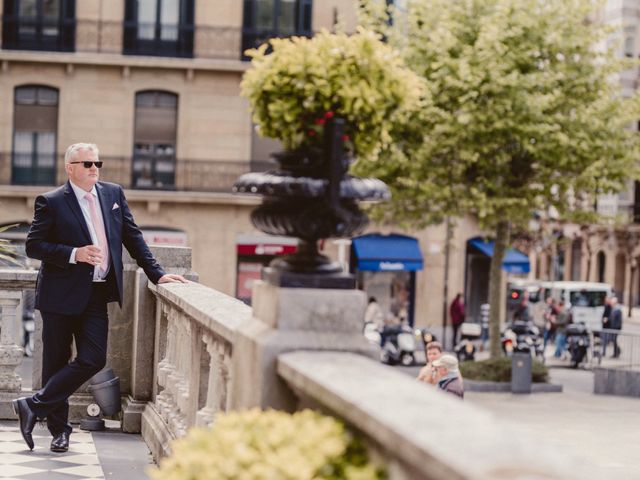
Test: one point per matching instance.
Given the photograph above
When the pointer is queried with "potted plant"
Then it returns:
(296, 85)
(327, 99)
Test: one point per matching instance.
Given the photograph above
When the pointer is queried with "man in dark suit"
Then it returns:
(78, 231)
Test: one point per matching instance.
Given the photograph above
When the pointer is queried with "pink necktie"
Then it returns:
(98, 226)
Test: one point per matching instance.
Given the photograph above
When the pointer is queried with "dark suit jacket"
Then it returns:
(59, 226)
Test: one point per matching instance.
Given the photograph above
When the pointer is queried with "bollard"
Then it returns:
(521, 372)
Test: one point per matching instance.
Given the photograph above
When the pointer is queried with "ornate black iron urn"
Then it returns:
(311, 197)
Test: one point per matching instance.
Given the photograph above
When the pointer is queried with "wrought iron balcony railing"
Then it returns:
(133, 38)
(147, 173)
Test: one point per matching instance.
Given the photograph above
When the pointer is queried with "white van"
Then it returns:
(584, 299)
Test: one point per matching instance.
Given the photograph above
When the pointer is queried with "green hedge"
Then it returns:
(499, 370)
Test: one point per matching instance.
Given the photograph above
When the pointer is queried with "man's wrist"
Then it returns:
(72, 258)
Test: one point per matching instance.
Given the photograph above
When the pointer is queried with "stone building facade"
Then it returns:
(156, 85)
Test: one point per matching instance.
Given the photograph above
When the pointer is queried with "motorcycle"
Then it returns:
(466, 349)
(522, 337)
(577, 343)
(399, 344)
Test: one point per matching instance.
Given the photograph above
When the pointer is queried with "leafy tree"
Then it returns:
(523, 112)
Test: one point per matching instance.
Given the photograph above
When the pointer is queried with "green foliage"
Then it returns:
(269, 445)
(8, 251)
(523, 106)
(499, 370)
(295, 88)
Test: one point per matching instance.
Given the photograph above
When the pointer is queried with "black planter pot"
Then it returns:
(311, 197)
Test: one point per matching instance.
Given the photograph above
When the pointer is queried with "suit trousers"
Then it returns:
(60, 377)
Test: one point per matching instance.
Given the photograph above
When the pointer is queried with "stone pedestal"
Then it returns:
(10, 353)
(288, 319)
(132, 332)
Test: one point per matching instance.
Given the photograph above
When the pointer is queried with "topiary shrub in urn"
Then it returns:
(328, 99)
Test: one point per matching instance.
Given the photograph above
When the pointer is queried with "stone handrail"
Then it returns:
(196, 329)
(418, 432)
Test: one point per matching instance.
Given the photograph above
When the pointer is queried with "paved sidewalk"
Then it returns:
(110, 454)
(603, 428)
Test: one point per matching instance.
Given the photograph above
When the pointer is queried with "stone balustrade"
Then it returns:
(195, 334)
(185, 352)
(13, 282)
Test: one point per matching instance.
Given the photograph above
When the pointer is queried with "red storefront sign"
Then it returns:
(269, 249)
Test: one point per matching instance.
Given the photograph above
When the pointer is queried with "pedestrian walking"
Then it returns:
(549, 327)
(457, 313)
(613, 323)
(561, 320)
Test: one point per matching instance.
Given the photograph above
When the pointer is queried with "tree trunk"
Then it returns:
(496, 297)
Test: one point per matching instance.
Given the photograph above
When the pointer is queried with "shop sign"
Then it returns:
(391, 266)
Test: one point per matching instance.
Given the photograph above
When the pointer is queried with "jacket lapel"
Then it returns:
(105, 203)
(72, 201)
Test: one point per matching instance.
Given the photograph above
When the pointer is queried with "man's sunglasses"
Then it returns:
(89, 164)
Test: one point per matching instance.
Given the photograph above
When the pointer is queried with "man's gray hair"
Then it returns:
(73, 150)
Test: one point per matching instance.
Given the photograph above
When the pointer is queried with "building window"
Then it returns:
(265, 19)
(35, 128)
(161, 28)
(154, 151)
(39, 25)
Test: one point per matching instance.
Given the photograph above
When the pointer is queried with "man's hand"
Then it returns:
(90, 254)
(172, 278)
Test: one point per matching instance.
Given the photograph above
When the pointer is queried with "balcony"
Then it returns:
(146, 173)
(38, 33)
(132, 38)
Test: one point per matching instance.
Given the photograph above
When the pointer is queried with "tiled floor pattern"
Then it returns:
(18, 463)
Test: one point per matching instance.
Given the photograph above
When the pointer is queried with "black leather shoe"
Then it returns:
(27, 419)
(60, 442)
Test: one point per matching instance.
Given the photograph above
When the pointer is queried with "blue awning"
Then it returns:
(387, 253)
(514, 261)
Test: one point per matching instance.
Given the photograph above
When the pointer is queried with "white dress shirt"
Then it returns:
(98, 275)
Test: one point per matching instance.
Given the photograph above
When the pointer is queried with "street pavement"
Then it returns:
(603, 428)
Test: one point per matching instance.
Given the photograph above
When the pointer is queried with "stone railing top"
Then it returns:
(17, 278)
(215, 311)
(430, 431)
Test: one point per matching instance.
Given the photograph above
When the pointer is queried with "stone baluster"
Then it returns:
(219, 376)
(10, 353)
(166, 367)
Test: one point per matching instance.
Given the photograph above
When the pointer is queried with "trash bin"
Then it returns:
(521, 372)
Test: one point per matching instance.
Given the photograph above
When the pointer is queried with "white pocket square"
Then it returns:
(115, 206)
